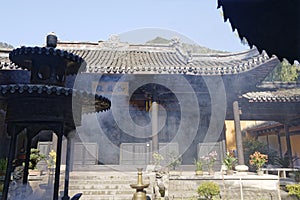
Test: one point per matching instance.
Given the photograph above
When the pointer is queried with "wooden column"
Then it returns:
(268, 144)
(279, 143)
(27, 159)
(12, 151)
(238, 133)
(154, 114)
(57, 168)
(67, 172)
(288, 144)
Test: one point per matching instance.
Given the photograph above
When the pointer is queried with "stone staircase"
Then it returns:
(115, 185)
(105, 185)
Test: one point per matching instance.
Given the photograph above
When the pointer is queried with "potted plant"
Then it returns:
(229, 161)
(51, 161)
(35, 157)
(175, 161)
(210, 160)
(258, 159)
(208, 190)
(157, 157)
(199, 166)
(1, 189)
(3, 166)
(297, 176)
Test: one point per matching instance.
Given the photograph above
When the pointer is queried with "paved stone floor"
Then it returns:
(43, 188)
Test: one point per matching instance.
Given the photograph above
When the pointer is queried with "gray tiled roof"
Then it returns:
(164, 59)
(286, 95)
(117, 57)
(99, 103)
(5, 63)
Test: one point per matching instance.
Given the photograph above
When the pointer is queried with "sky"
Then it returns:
(136, 21)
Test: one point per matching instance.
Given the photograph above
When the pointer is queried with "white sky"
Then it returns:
(28, 22)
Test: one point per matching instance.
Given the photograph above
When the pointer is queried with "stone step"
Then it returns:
(104, 182)
(104, 185)
(115, 188)
(106, 197)
(103, 192)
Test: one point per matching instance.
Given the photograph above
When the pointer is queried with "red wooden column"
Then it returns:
(238, 133)
(288, 144)
(279, 143)
(154, 114)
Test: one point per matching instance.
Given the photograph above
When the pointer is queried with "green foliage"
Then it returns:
(35, 157)
(285, 161)
(294, 189)
(175, 160)
(198, 164)
(251, 145)
(229, 161)
(3, 164)
(297, 175)
(157, 157)
(51, 161)
(208, 190)
(282, 162)
(284, 72)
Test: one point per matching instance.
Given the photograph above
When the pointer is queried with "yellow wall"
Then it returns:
(230, 132)
(273, 144)
(273, 140)
(295, 141)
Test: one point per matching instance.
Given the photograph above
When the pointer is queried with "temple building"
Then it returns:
(164, 99)
(281, 135)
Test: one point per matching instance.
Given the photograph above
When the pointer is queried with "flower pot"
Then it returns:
(199, 172)
(51, 170)
(34, 172)
(229, 172)
(174, 173)
(2, 173)
(260, 172)
(211, 172)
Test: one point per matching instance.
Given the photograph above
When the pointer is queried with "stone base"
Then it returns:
(242, 169)
(253, 186)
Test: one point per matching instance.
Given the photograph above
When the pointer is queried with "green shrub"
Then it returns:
(35, 157)
(208, 190)
(3, 164)
(174, 160)
(294, 189)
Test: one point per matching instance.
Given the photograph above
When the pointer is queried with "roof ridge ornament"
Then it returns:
(114, 43)
(186, 55)
(51, 40)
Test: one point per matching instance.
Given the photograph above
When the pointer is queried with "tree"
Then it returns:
(284, 72)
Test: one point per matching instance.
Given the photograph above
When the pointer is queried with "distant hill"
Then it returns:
(191, 47)
(158, 40)
(5, 45)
